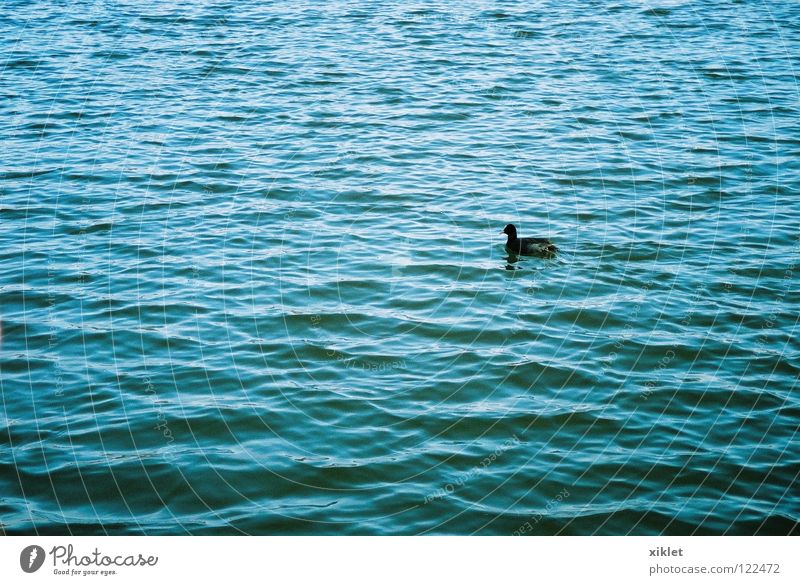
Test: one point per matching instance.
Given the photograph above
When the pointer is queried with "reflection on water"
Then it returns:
(512, 262)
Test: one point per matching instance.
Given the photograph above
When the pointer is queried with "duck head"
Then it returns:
(510, 231)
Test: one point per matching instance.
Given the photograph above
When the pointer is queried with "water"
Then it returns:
(252, 279)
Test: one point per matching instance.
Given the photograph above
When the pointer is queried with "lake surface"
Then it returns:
(252, 279)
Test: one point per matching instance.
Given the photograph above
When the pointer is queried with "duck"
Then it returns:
(527, 246)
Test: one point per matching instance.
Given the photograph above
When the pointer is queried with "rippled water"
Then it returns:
(252, 281)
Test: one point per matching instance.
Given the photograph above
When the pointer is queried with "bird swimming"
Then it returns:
(527, 246)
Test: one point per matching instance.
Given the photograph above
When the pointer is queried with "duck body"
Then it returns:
(527, 246)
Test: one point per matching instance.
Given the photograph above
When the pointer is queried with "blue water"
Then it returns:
(252, 279)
